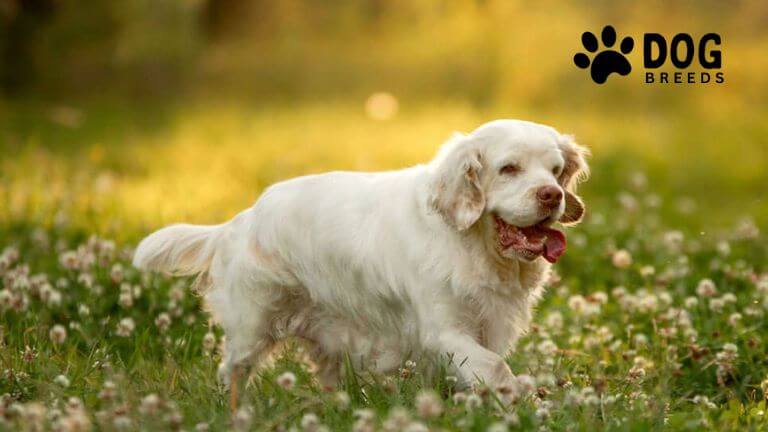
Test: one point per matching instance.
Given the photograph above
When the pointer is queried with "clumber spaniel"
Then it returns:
(444, 258)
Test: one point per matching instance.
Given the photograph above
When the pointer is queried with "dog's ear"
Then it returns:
(455, 189)
(574, 172)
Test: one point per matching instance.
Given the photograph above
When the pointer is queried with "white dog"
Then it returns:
(444, 258)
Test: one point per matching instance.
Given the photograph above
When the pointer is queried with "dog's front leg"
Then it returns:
(473, 363)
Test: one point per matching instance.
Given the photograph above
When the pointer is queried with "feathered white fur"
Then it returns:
(386, 265)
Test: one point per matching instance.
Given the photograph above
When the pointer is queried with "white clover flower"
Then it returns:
(619, 292)
(6, 299)
(365, 414)
(473, 401)
(150, 404)
(459, 398)
(242, 419)
(209, 342)
(108, 390)
(310, 422)
(122, 422)
(125, 327)
(716, 304)
(554, 320)
(498, 427)
(58, 334)
(729, 297)
(647, 271)
(621, 259)
(647, 303)
(416, 427)
(125, 300)
(730, 348)
(547, 347)
(704, 400)
(163, 322)
(61, 381)
(526, 384)
(428, 404)
(723, 248)
(286, 380)
(734, 319)
(54, 299)
(342, 399)
(706, 288)
(673, 240)
(600, 297)
(691, 302)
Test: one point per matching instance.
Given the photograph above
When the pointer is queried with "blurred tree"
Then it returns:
(23, 20)
(223, 19)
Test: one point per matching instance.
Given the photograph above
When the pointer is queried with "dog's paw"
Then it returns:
(608, 60)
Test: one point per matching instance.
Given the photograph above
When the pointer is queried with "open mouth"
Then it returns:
(531, 241)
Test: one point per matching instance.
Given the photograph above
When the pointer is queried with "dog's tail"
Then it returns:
(178, 249)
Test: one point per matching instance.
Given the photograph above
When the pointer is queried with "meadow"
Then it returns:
(656, 318)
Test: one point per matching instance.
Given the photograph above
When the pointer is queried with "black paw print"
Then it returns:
(606, 61)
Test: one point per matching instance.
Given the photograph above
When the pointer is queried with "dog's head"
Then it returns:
(517, 176)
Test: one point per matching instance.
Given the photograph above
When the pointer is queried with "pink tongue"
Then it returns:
(554, 247)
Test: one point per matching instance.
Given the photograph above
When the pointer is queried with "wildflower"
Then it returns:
(150, 404)
(547, 347)
(734, 319)
(647, 271)
(473, 401)
(554, 320)
(286, 380)
(706, 288)
(209, 342)
(600, 297)
(416, 427)
(497, 427)
(716, 304)
(202, 427)
(691, 302)
(176, 294)
(621, 259)
(242, 419)
(108, 391)
(704, 401)
(461, 397)
(125, 300)
(428, 404)
(122, 422)
(526, 384)
(58, 334)
(163, 321)
(116, 273)
(342, 399)
(673, 240)
(764, 388)
(125, 327)
(61, 381)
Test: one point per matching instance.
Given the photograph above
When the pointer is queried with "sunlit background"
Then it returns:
(117, 117)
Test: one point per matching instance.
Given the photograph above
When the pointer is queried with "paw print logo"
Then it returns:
(607, 61)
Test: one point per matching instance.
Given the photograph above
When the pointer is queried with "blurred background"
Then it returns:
(116, 117)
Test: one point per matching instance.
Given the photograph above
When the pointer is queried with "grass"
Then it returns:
(661, 352)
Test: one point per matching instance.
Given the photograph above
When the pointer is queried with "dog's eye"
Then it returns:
(557, 170)
(510, 169)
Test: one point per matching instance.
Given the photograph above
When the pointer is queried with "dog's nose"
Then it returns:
(549, 196)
